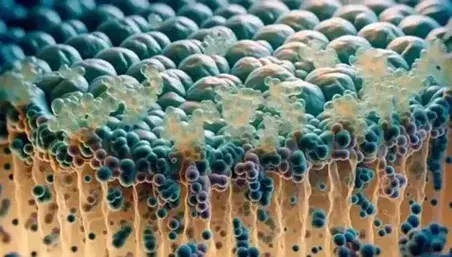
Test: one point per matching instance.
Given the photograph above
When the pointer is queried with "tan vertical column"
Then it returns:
(12, 227)
(67, 197)
(91, 197)
(320, 199)
(115, 220)
(49, 225)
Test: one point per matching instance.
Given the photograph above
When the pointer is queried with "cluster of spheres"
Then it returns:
(221, 128)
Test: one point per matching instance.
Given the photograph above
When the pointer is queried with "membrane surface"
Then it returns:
(225, 128)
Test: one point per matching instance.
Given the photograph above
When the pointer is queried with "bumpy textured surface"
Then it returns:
(192, 128)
